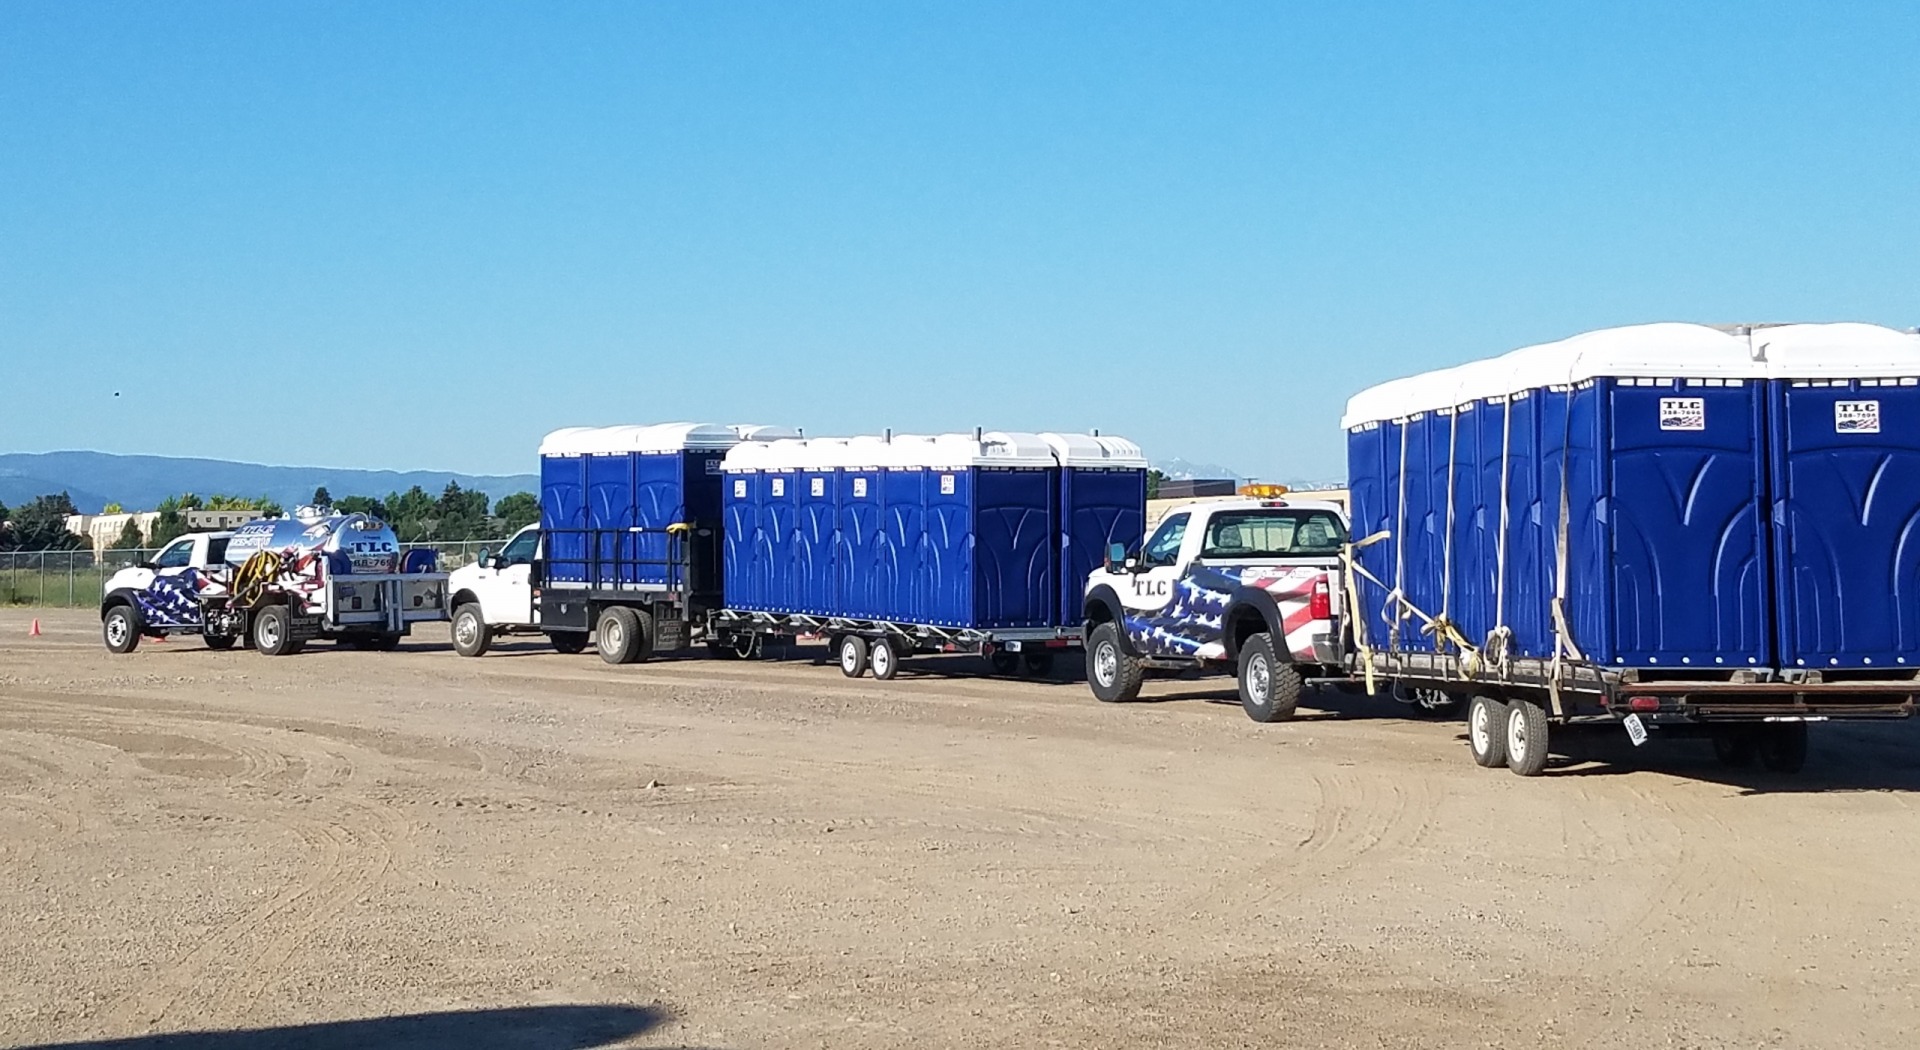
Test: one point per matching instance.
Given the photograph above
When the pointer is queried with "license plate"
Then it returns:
(1636, 730)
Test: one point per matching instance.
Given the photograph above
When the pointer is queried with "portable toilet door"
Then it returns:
(861, 593)
(1846, 494)
(1016, 575)
(903, 533)
(1101, 500)
(1689, 586)
(563, 503)
(818, 537)
(610, 518)
(743, 585)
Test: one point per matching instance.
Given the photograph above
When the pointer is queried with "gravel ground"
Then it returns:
(534, 850)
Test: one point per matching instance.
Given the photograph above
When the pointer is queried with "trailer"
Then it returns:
(657, 539)
(276, 584)
(1687, 529)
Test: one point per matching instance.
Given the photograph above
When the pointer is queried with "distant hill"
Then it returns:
(95, 479)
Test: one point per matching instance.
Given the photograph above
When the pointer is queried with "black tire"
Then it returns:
(883, 659)
(120, 629)
(1783, 747)
(1037, 664)
(1735, 748)
(471, 635)
(1004, 662)
(272, 631)
(852, 655)
(1487, 731)
(1269, 689)
(572, 643)
(1113, 674)
(219, 642)
(625, 635)
(1527, 738)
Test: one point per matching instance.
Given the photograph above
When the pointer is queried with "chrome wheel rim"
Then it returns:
(1259, 680)
(118, 630)
(1517, 735)
(268, 634)
(1106, 664)
(466, 630)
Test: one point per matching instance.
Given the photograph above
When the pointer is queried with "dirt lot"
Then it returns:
(357, 849)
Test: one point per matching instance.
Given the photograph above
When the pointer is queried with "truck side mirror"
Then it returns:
(1116, 556)
(485, 559)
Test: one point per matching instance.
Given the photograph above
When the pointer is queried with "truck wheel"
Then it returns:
(569, 642)
(1004, 662)
(1113, 674)
(884, 660)
(852, 654)
(1487, 731)
(1037, 664)
(1735, 748)
(1783, 749)
(471, 635)
(1269, 689)
(120, 629)
(219, 642)
(1526, 738)
(271, 633)
(625, 635)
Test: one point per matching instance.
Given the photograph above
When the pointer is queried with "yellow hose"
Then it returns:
(255, 575)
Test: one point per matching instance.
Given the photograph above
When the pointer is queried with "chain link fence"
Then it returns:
(77, 579)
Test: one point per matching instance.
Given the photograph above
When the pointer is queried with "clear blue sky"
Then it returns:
(419, 235)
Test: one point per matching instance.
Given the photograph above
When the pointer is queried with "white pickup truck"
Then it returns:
(1250, 585)
(495, 596)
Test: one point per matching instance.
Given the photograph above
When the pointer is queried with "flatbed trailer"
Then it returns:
(860, 645)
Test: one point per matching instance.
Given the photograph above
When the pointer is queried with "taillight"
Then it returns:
(1320, 606)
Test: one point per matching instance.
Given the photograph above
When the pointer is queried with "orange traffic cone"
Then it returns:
(34, 631)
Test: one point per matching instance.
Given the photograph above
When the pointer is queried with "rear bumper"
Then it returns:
(1765, 701)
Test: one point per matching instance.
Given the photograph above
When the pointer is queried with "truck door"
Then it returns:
(1149, 592)
(507, 597)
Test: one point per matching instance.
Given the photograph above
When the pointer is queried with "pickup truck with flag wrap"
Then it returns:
(1248, 584)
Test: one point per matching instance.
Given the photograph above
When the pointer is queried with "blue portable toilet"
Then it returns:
(988, 559)
(617, 503)
(1101, 500)
(817, 540)
(749, 561)
(1656, 436)
(1845, 440)
(862, 590)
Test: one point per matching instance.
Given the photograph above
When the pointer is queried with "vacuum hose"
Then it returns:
(255, 576)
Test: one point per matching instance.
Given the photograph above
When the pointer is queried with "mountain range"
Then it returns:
(95, 479)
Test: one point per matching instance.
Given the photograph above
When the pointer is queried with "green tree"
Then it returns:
(6, 528)
(131, 538)
(1155, 479)
(322, 498)
(414, 515)
(113, 508)
(367, 505)
(172, 521)
(42, 524)
(517, 511)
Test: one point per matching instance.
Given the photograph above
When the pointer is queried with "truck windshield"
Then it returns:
(1273, 533)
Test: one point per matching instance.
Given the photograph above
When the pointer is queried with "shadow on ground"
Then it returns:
(519, 1028)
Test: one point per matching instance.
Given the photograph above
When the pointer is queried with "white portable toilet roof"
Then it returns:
(1837, 351)
(1668, 349)
(654, 438)
(1095, 450)
(757, 432)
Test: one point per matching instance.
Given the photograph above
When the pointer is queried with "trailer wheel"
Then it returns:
(471, 635)
(1735, 748)
(1487, 731)
(884, 660)
(272, 634)
(1037, 664)
(1269, 689)
(1526, 738)
(1113, 674)
(1004, 662)
(120, 629)
(1783, 748)
(219, 642)
(625, 635)
(569, 642)
(852, 654)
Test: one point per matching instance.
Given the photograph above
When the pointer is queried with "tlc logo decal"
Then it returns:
(1145, 588)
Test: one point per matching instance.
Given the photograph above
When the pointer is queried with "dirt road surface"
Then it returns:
(359, 849)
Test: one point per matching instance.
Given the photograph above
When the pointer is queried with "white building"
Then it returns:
(102, 531)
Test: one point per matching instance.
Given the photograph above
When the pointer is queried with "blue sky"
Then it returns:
(422, 235)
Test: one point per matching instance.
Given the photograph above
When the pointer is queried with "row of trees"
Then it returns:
(416, 516)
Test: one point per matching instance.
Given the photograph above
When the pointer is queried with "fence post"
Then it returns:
(72, 598)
